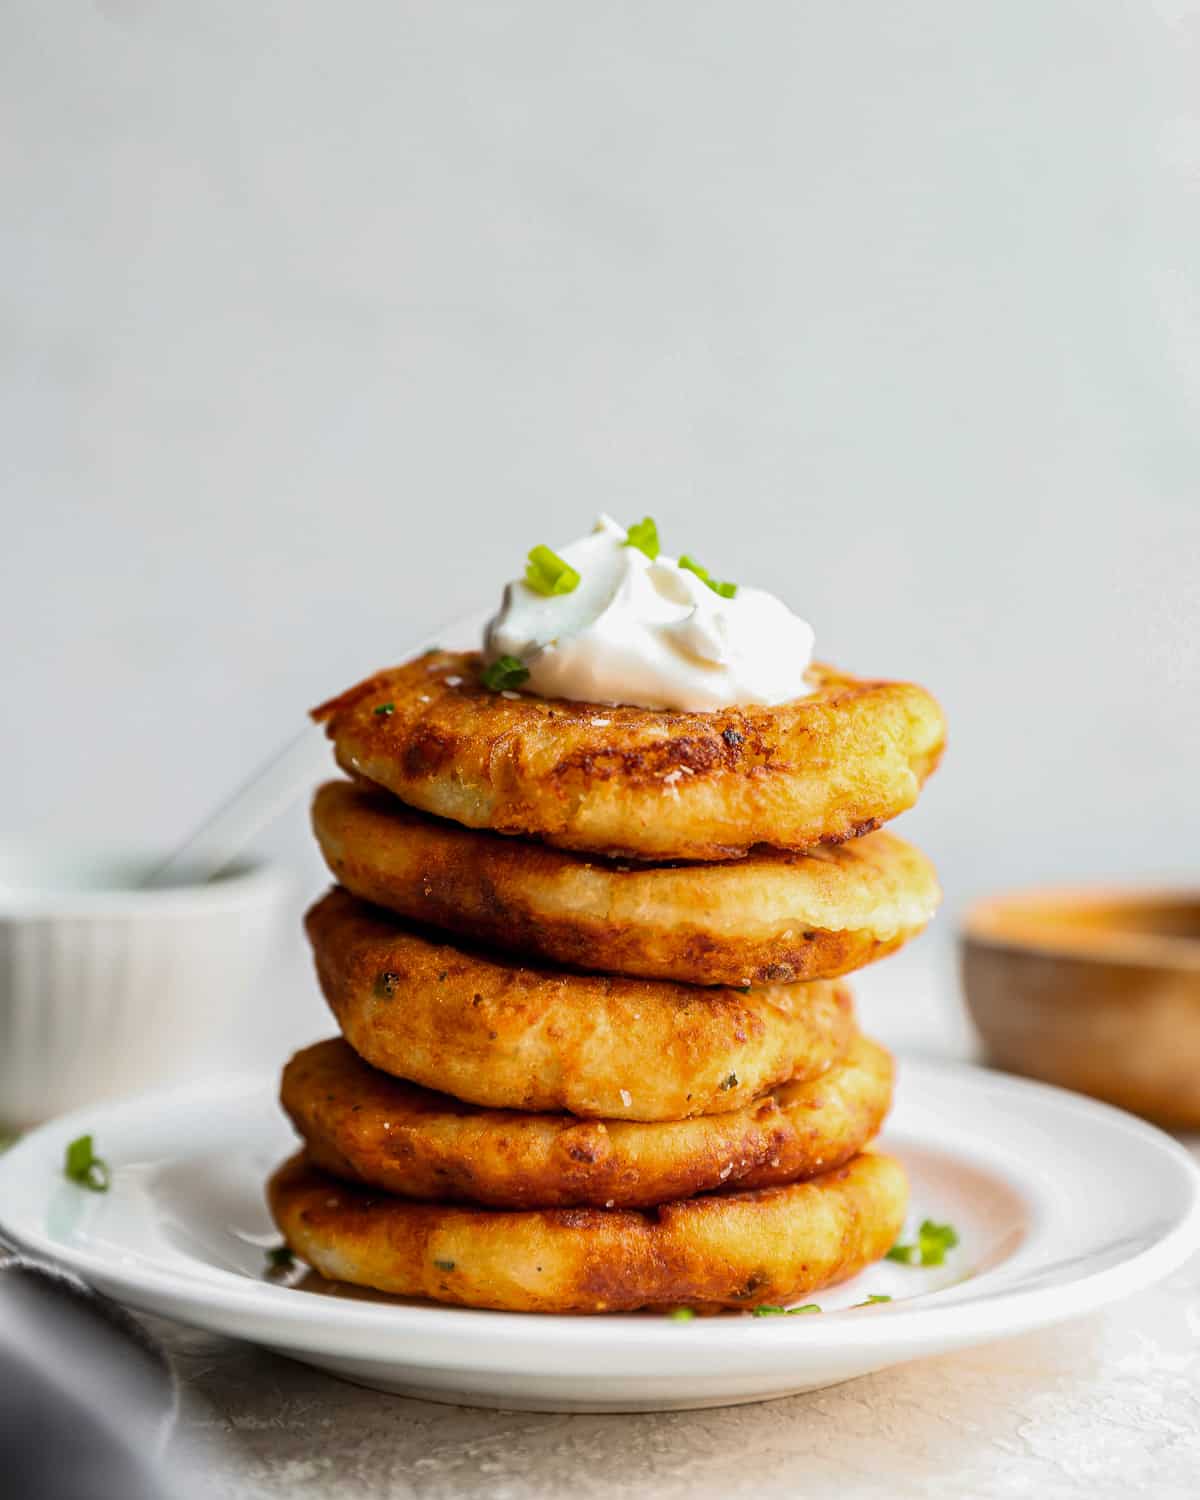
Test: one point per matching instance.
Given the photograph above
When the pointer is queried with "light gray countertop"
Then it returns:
(1106, 1406)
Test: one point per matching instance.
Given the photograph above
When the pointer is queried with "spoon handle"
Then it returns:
(271, 790)
(288, 776)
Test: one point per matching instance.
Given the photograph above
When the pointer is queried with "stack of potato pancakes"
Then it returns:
(587, 963)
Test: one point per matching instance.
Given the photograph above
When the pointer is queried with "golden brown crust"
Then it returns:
(364, 1126)
(774, 917)
(636, 782)
(492, 1030)
(771, 1246)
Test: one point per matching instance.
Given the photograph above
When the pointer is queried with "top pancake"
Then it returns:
(639, 783)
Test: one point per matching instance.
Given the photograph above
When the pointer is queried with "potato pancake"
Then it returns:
(490, 1029)
(634, 782)
(774, 917)
(365, 1126)
(773, 1246)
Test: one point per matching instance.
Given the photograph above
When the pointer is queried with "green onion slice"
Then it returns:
(935, 1240)
(83, 1166)
(682, 1314)
(547, 573)
(726, 590)
(504, 673)
(930, 1246)
(643, 535)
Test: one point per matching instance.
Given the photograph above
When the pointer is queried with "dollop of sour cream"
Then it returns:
(648, 632)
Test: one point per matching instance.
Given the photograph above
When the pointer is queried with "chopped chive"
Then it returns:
(280, 1258)
(726, 590)
(504, 673)
(547, 573)
(807, 1307)
(643, 535)
(83, 1166)
(765, 1310)
(682, 1314)
(929, 1248)
(873, 1298)
(8, 1138)
(935, 1240)
(385, 710)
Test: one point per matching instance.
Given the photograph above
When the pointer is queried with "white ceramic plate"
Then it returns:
(1062, 1205)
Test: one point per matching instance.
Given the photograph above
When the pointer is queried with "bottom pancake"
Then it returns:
(772, 1246)
(365, 1126)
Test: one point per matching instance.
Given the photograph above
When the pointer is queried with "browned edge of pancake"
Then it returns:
(771, 918)
(773, 1246)
(634, 782)
(489, 1029)
(363, 1126)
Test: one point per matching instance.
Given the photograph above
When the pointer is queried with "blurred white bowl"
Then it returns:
(106, 989)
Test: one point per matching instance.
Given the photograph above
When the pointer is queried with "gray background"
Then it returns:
(313, 318)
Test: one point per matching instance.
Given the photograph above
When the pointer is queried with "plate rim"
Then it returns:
(914, 1324)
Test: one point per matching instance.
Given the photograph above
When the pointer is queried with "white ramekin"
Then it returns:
(106, 989)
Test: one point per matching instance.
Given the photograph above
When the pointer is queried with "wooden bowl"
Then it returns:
(1098, 991)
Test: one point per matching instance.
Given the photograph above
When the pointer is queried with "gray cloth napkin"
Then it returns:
(87, 1397)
